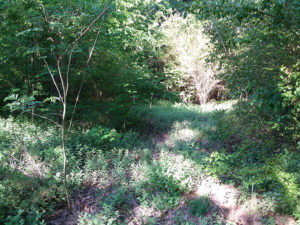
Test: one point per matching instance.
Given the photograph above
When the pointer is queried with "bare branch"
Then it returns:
(68, 72)
(54, 82)
(85, 69)
(62, 81)
(220, 37)
(46, 118)
(86, 29)
(57, 114)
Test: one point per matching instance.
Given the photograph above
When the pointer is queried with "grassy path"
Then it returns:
(173, 182)
(171, 172)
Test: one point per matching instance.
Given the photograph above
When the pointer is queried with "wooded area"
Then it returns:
(149, 112)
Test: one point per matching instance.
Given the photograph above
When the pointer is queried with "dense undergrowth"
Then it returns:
(254, 157)
(143, 174)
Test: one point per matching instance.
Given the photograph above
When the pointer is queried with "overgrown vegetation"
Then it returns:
(258, 45)
(98, 105)
(134, 178)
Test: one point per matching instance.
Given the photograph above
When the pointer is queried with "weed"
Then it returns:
(200, 206)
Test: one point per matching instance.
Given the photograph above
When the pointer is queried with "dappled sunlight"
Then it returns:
(141, 214)
(226, 198)
(153, 182)
(33, 135)
(171, 165)
(181, 131)
(284, 219)
(138, 172)
(182, 169)
(212, 106)
(178, 120)
(185, 134)
(24, 148)
(157, 112)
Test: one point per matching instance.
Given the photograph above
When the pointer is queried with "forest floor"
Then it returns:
(170, 182)
(178, 164)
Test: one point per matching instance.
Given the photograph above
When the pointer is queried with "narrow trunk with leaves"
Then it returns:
(62, 86)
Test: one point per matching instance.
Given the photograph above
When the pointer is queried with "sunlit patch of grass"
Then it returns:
(181, 131)
(213, 106)
(172, 166)
(161, 183)
(142, 213)
(164, 116)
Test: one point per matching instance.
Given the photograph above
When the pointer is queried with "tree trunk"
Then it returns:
(63, 134)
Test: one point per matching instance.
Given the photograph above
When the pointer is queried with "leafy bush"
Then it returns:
(290, 91)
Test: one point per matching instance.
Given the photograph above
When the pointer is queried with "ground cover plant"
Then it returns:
(187, 174)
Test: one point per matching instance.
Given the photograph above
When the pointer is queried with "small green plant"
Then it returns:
(108, 216)
(200, 206)
(34, 218)
(119, 198)
(268, 221)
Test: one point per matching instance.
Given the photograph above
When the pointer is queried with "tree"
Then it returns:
(63, 87)
(186, 48)
(52, 23)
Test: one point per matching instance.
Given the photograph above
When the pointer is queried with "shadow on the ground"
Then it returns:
(181, 161)
(186, 151)
(240, 161)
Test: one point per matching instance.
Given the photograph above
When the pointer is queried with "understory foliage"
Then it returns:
(252, 157)
(123, 64)
(31, 176)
